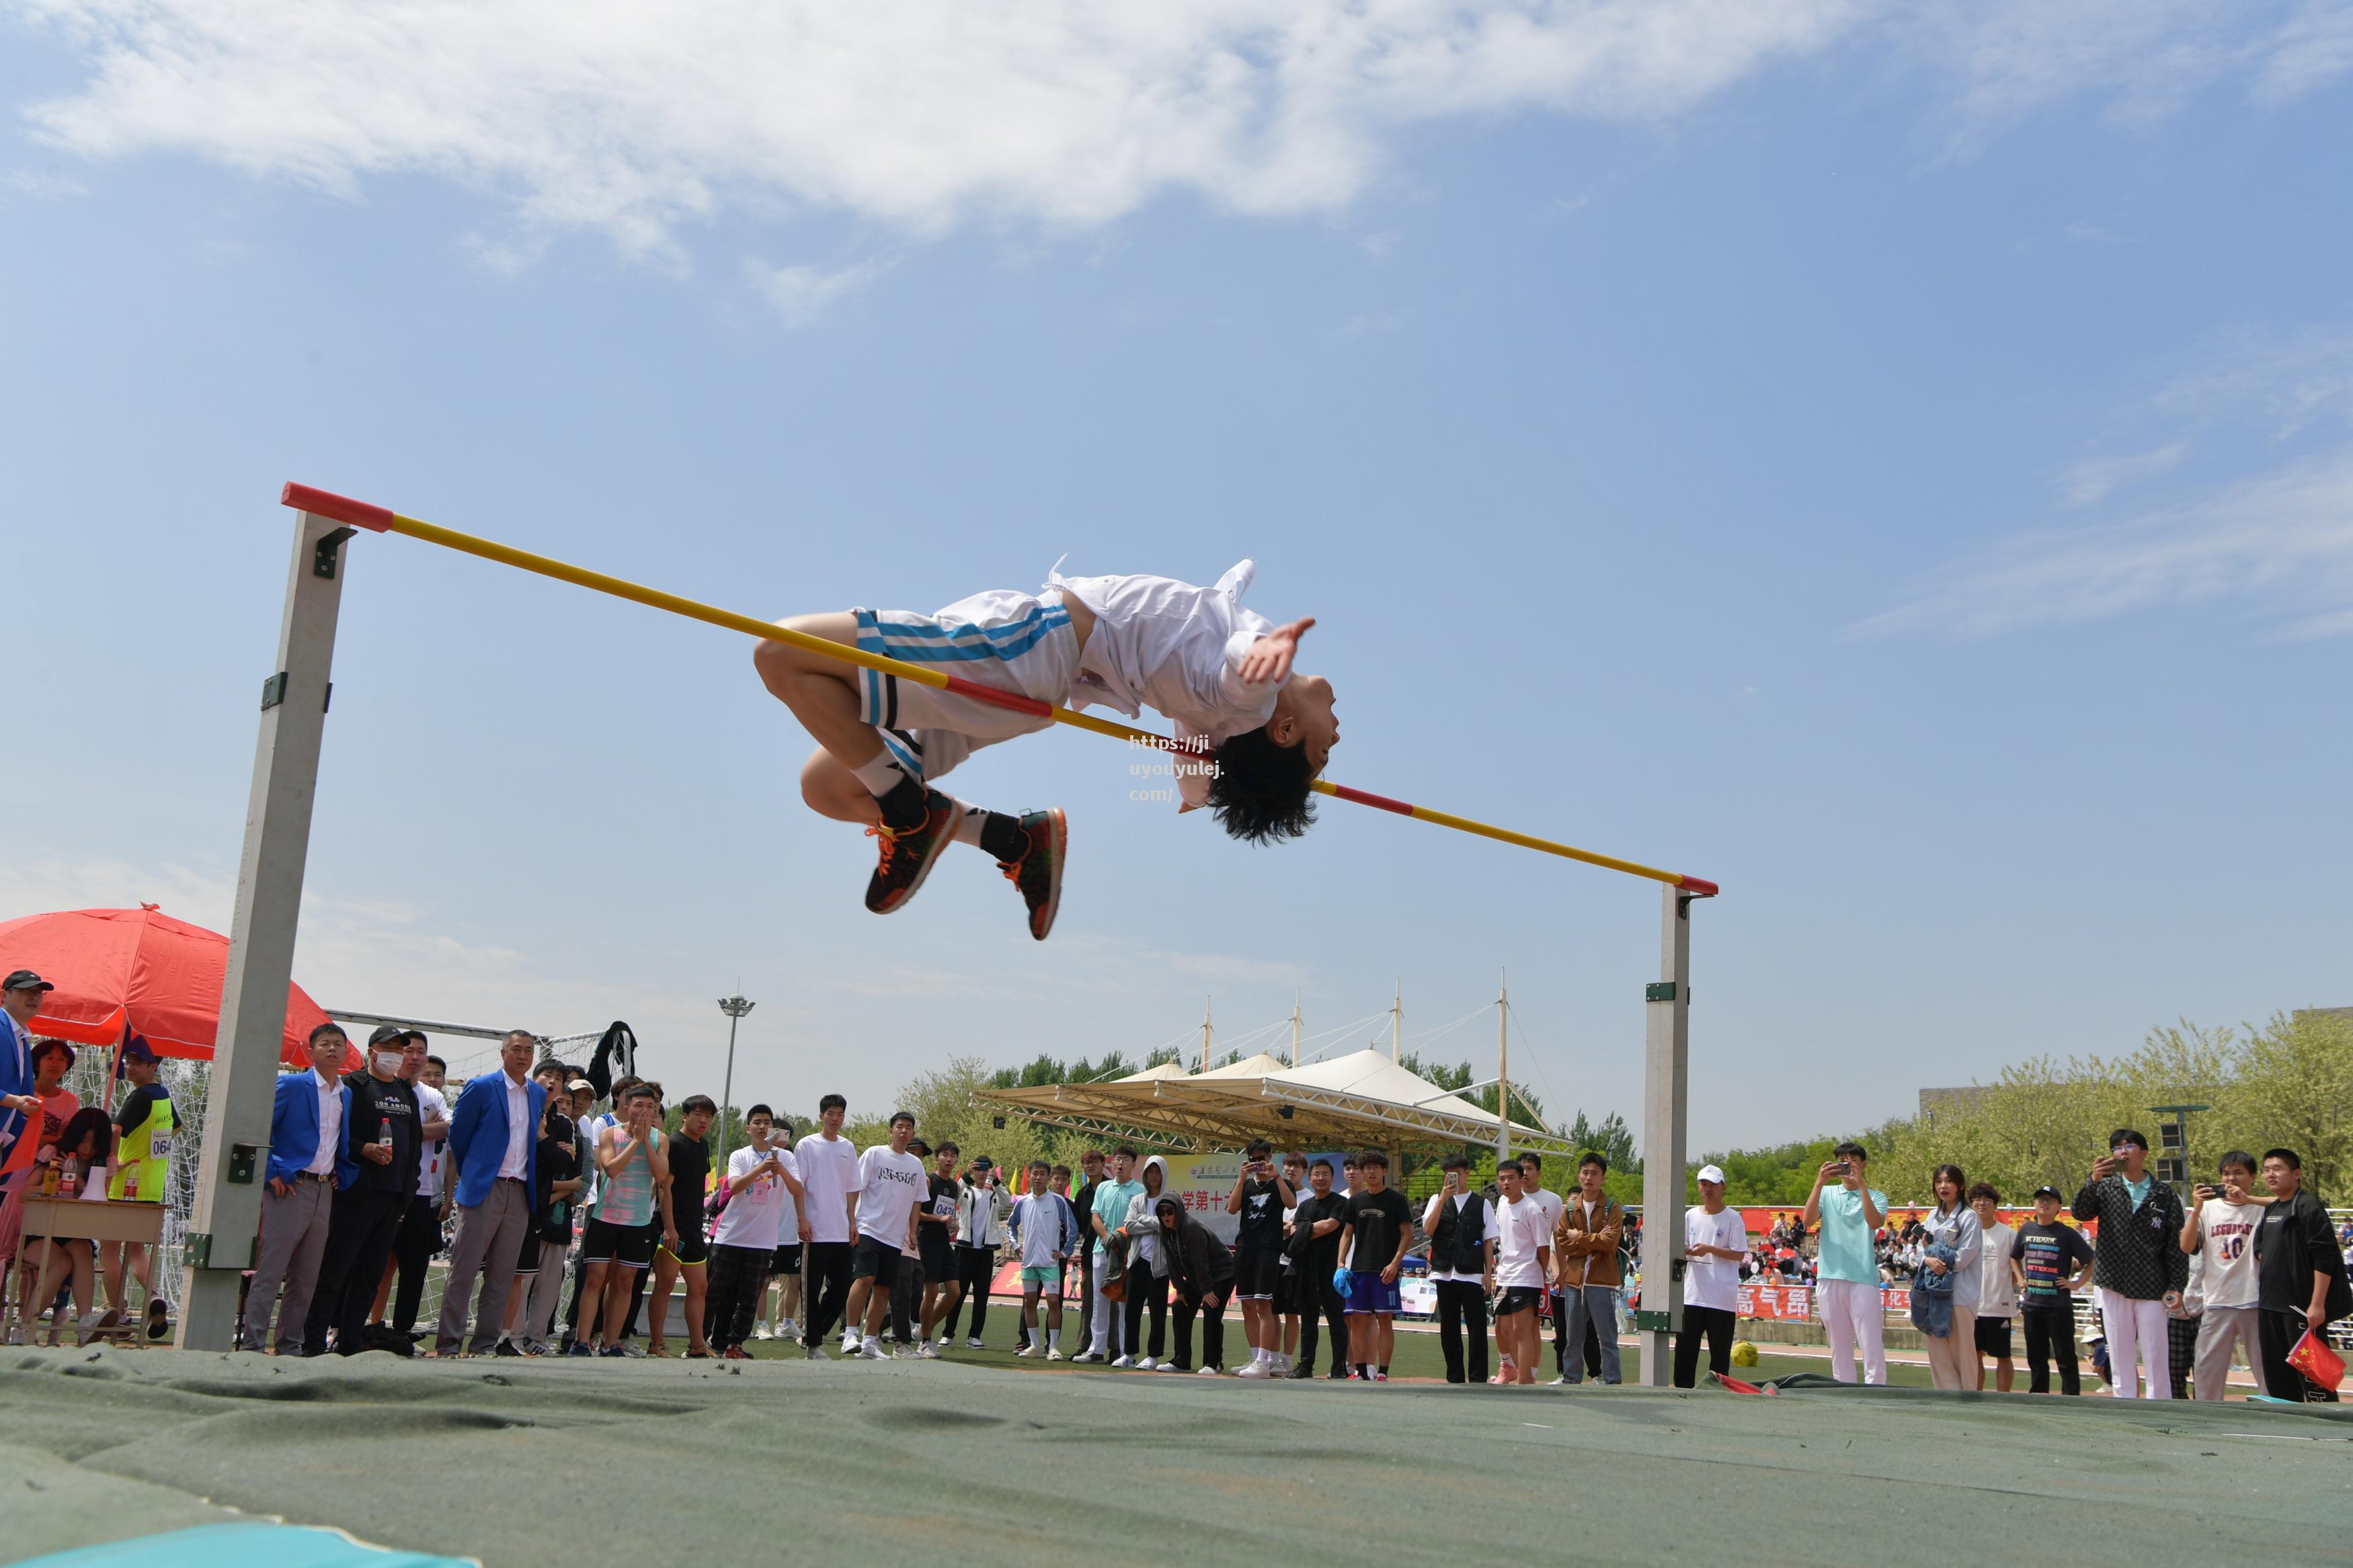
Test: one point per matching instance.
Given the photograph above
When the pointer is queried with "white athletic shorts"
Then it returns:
(1000, 638)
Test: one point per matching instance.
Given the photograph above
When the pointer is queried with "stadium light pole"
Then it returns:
(734, 1007)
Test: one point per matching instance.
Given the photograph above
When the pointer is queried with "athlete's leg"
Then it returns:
(698, 1295)
(822, 692)
(665, 1275)
(831, 790)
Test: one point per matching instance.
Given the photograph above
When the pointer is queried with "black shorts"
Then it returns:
(631, 1246)
(932, 1246)
(1255, 1272)
(787, 1260)
(1290, 1300)
(693, 1250)
(876, 1260)
(1516, 1299)
(1993, 1337)
(975, 1267)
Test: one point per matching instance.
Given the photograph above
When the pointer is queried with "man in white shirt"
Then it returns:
(1461, 1231)
(1220, 673)
(2221, 1231)
(1997, 1292)
(1522, 1253)
(891, 1183)
(829, 1184)
(763, 1180)
(1532, 1187)
(1716, 1239)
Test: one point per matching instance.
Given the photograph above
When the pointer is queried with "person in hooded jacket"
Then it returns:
(1201, 1271)
(1147, 1269)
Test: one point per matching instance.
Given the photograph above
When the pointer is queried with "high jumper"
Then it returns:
(1251, 735)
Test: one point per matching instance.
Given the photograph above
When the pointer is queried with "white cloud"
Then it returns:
(2093, 479)
(802, 294)
(2282, 543)
(634, 119)
(2284, 384)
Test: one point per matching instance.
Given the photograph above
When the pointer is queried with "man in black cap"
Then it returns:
(2049, 1263)
(21, 995)
(376, 1176)
(144, 1126)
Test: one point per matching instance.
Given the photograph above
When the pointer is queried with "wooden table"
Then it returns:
(54, 1218)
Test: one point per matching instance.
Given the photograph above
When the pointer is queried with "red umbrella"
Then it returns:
(139, 969)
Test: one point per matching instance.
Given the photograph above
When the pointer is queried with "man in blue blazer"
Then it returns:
(494, 1155)
(306, 1133)
(21, 996)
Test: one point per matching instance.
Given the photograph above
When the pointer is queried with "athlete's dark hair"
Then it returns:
(2288, 1155)
(760, 1109)
(1260, 790)
(694, 1102)
(2126, 1135)
(44, 1048)
(1258, 1149)
(1126, 1149)
(1592, 1157)
(90, 1121)
(831, 1102)
(2239, 1157)
(438, 1062)
(1455, 1162)
(321, 1031)
(1372, 1158)
(1985, 1190)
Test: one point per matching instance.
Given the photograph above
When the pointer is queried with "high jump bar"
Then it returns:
(382, 520)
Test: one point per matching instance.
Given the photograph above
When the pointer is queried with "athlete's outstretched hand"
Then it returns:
(1270, 657)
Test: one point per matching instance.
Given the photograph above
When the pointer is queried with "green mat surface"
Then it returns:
(523, 1464)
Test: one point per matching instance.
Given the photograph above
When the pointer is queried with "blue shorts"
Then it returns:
(1367, 1294)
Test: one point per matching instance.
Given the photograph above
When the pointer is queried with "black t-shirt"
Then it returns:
(1379, 1219)
(2049, 1256)
(1261, 1218)
(1317, 1255)
(932, 1236)
(376, 1105)
(133, 1111)
(559, 1160)
(690, 1183)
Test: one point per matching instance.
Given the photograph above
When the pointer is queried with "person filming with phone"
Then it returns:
(2140, 1268)
(1843, 1212)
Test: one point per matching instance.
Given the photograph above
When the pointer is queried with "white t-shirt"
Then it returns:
(1520, 1229)
(431, 1105)
(1552, 1207)
(889, 1187)
(1714, 1281)
(1174, 647)
(754, 1214)
(828, 1175)
(2226, 1239)
(1430, 1224)
(1997, 1296)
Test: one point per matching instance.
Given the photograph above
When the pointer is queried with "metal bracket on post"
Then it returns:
(323, 559)
(246, 1045)
(1666, 1104)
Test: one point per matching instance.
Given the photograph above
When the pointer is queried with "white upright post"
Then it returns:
(1666, 1098)
(235, 1158)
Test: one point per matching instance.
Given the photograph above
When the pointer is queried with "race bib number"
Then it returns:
(159, 1146)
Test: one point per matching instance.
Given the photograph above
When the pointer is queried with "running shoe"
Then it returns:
(1025, 1352)
(908, 854)
(850, 1343)
(580, 1348)
(1256, 1369)
(735, 1352)
(1089, 1358)
(815, 1353)
(1146, 1364)
(1558, 1382)
(1126, 1361)
(1208, 1372)
(613, 1353)
(762, 1331)
(1355, 1377)
(973, 1344)
(871, 1350)
(1051, 1354)
(1038, 872)
(1379, 1376)
(788, 1329)
(506, 1348)
(1172, 1366)
(159, 1318)
(927, 1352)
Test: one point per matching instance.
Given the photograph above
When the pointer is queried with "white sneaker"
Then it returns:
(1170, 1366)
(973, 1344)
(1025, 1352)
(1256, 1369)
(848, 1343)
(907, 1353)
(816, 1353)
(1208, 1372)
(1146, 1364)
(1088, 1357)
(1284, 1363)
(788, 1329)
(928, 1352)
(1124, 1361)
(762, 1331)
(1558, 1382)
(1050, 1354)
(869, 1350)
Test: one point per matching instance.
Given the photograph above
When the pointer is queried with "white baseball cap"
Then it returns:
(1711, 1173)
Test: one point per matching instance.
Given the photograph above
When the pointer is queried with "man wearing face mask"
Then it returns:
(376, 1175)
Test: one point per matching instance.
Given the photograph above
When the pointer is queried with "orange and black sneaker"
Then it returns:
(1038, 872)
(909, 853)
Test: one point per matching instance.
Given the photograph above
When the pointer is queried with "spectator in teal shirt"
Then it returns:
(1112, 1196)
(1847, 1273)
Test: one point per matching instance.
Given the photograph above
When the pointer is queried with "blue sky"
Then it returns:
(1898, 463)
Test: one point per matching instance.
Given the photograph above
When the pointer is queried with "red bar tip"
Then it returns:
(343, 509)
(1699, 887)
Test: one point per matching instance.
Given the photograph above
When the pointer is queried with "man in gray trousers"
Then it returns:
(493, 1156)
(307, 1117)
